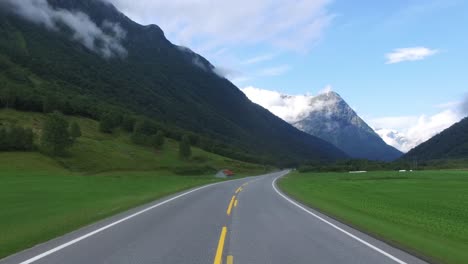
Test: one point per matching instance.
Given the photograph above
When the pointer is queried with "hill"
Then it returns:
(95, 152)
(112, 64)
(451, 143)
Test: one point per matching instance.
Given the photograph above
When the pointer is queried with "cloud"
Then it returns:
(414, 129)
(104, 40)
(207, 25)
(258, 59)
(327, 89)
(409, 54)
(290, 108)
(464, 106)
(275, 71)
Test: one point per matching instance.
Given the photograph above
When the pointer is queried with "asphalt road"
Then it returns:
(241, 221)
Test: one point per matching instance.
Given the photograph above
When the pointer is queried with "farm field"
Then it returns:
(423, 212)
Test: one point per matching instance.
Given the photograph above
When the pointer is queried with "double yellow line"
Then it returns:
(220, 249)
(222, 238)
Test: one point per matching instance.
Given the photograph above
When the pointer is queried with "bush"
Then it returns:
(55, 138)
(16, 139)
(185, 150)
(75, 131)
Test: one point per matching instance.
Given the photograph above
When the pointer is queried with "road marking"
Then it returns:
(230, 205)
(235, 203)
(76, 240)
(230, 260)
(273, 184)
(219, 251)
(238, 190)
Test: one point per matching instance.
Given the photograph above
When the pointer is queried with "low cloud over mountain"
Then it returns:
(329, 117)
(104, 39)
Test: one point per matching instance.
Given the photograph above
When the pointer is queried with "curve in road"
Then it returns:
(240, 221)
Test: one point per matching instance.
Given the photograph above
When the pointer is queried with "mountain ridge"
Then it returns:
(155, 79)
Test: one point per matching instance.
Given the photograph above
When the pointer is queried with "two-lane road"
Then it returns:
(241, 221)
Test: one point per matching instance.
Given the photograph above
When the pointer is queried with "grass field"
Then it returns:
(47, 201)
(423, 212)
(43, 197)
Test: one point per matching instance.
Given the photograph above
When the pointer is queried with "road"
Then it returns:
(241, 221)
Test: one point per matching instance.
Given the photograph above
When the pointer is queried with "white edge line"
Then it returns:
(40, 256)
(273, 184)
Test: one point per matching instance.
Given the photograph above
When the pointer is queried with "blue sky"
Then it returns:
(301, 46)
(350, 56)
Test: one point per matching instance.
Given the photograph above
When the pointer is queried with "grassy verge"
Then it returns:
(40, 204)
(423, 212)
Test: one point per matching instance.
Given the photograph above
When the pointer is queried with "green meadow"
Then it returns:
(423, 212)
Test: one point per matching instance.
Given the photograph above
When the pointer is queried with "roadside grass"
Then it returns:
(423, 212)
(40, 203)
(44, 197)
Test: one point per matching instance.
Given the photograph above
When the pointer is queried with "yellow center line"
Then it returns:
(219, 252)
(230, 205)
(230, 260)
(235, 203)
(238, 190)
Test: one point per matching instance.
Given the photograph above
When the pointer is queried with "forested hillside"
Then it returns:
(144, 76)
(451, 143)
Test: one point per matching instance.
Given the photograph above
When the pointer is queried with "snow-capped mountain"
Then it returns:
(329, 117)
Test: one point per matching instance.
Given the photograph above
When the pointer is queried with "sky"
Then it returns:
(400, 64)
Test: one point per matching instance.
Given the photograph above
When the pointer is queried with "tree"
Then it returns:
(109, 121)
(128, 123)
(50, 104)
(3, 139)
(55, 138)
(8, 97)
(75, 131)
(16, 139)
(185, 150)
(157, 140)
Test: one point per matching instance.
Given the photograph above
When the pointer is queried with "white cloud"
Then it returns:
(275, 71)
(83, 29)
(327, 89)
(207, 25)
(451, 104)
(290, 108)
(409, 54)
(414, 130)
(258, 59)
(464, 106)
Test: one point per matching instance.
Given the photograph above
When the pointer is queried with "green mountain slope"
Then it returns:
(153, 78)
(96, 152)
(451, 143)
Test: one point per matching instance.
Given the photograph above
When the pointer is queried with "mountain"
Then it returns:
(396, 139)
(451, 143)
(91, 59)
(331, 118)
